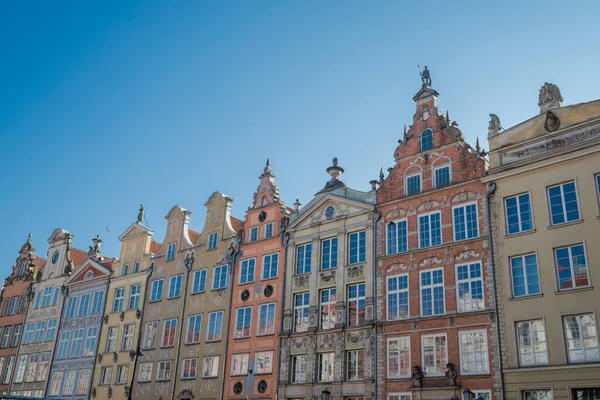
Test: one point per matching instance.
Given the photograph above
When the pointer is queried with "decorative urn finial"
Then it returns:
(335, 171)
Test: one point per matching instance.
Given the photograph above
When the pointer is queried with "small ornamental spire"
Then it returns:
(477, 147)
(268, 166)
(29, 239)
(140, 217)
(447, 117)
(381, 176)
(267, 172)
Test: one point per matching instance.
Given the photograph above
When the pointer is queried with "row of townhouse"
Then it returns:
(460, 274)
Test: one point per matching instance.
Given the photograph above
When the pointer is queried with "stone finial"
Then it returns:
(373, 184)
(140, 217)
(297, 205)
(95, 249)
(494, 127)
(381, 176)
(267, 172)
(335, 171)
(550, 97)
(29, 239)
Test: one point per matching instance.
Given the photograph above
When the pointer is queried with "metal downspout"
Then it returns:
(285, 241)
(65, 292)
(490, 191)
(376, 217)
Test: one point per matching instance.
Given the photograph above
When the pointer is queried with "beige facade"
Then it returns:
(545, 225)
(327, 342)
(120, 329)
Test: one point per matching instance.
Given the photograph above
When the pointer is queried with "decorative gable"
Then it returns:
(89, 271)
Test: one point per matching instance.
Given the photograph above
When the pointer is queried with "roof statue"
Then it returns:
(550, 97)
(426, 77)
(494, 127)
(95, 249)
(140, 217)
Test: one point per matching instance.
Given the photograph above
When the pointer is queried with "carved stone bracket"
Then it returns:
(122, 315)
(115, 357)
(105, 319)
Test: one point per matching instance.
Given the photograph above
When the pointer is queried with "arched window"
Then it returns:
(125, 270)
(427, 140)
(136, 267)
(21, 270)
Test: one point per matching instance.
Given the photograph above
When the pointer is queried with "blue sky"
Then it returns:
(107, 105)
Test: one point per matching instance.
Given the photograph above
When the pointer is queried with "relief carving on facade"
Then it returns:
(430, 261)
(326, 341)
(428, 205)
(311, 357)
(395, 213)
(354, 337)
(356, 272)
(301, 281)
(327, 277)
(284, 359)
(466, 254)
(339, 355)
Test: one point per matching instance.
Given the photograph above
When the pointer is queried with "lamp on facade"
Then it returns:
(467, 394)
(189, 261)
(325, 394)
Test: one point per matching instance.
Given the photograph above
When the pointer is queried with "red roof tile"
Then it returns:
(236, 224)
(78, 257)
(39, 263)
(154, 247)
(193, 235)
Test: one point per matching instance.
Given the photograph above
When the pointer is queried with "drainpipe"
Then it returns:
(138, 348)
(376, 217)
(233, 254)
(490, 192)
(189, 263)
(65, 292)
(100, 329)
(285, 239)
(30, 296)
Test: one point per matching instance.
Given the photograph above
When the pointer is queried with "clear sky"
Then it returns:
(106, 105)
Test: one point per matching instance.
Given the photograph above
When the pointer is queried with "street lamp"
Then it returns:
(189, 261)
(325, 394)
(468, 395)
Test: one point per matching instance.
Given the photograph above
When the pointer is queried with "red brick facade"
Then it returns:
(419, 270)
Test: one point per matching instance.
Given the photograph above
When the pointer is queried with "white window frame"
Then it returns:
(360, 372)
(329, 305)
(329, 367)
(214, 282)
(213, 359)
(304, 260)
(127, 342)
(106, 375)
(357, 299)
(245, 317)
(300, 308)
(512, 281)
(562, 195)
(213, 240)
(358, 253)
(267, 331)
(171, 251)
(387, 236)
(270, 263)
(580, 327)
(407, 177)
(332, 260)
(536, 390)
(122, 372)
(161, 370)
(432, 286)
(429, 214)
(298, 369)
(238, 361)
(267, 355)
(388, 357)
(145, 372)
(164, 330)
(397, 292)
(533, 343)
(189, 361)
(196, 317)
(247, 271)
(157, 286)
(173, 286)
(198, 275)
(120, 299)
(153, 337)
(571, 266)
(216, 321)
(252, 237)
(464, 206)
(399, 396)
(434, 178)
(518, 196)
(134, 296)
(266, 229)
(469, 281)
(111, 340)
(423, 337)
(461, 349)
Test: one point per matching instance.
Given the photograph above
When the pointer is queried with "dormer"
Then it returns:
(136, 242)
(219, 225)
(176, 236)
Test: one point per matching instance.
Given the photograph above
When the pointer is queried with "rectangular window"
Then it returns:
(303, 259)
(465, 222)
(582, 338)
(97, 303)
(432, 292)
(156, 291)
(29, 329)
(298, 369)
(121, 374)
(247, 268)
(533, 346)
(145, 374)
(193, 329)
(84, 381)
(397, 237)
(266, 322)
(47, 297)
(134, 297)
(518, 214)
(563, 203)
(150, 332)
(270, 266)
(329, 253)
(127, 337)
(69, 384)
(326, 361)
(215, 325)
(398, 356)
(189, 368)
(77, 343)
(171, 251)
(17, 334)
(175, 286)
(435, 354)
(537, 395)
(269, 230)
(5, 308)
(213, 239)
(20, 372)
(474, 359)
(253, 234)
(84, 305)
(301, 302)
(239, 364)
(168, 336)
(106, 375)
(243, 318)
(43, 367)
(14, 302)
(355, 364)
(525, 278)
(571, 267)
(118, 303)
(598, 186)
(357, 250)
(71, 304)
(6, 375)
(57, 378)
(63, 345)
(210, 367)
(397, 297)
(442, 176)
(264, 362)
(413, 184)
(6, 337)
(111, 340)
(40, 327)
(328, 300)
(356, 304)
(406, 396)
(469, 281)
(38, 300)
(32, 363)
(89, 349)
(430, 230)
(163, 370)
(136, 267)
(219, 277)
(199, 282)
